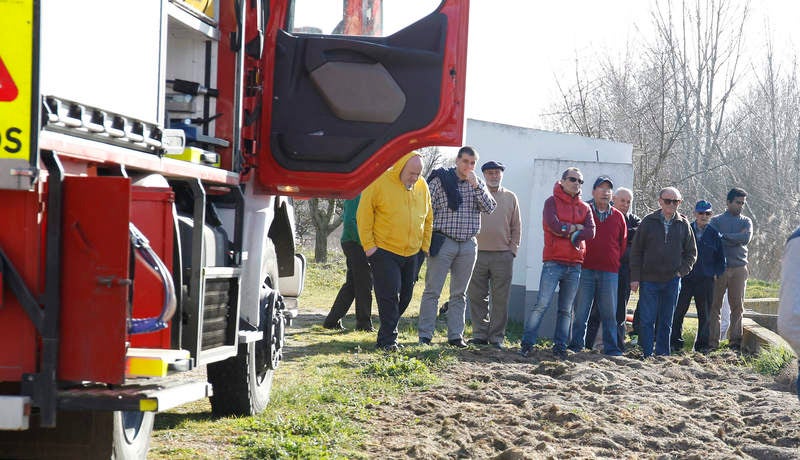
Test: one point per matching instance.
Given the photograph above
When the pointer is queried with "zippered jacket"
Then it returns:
(394, 218)
(658, 256)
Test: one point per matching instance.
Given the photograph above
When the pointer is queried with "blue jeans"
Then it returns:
(656, 309)
(554, 275)
(599, 286)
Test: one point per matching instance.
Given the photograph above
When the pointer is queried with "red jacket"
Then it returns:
(561, 210)
(604, 252)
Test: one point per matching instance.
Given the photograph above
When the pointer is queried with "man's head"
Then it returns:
(736, 200)
(493, 173)
(571, 181)
(465, 161)
(411, 171)
(601, 192)
(702, 213)
(669, 198)
(623, 198)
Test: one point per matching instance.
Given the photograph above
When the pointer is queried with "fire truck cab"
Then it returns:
(149, 155)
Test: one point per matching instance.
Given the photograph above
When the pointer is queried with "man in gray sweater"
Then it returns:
(736, 231)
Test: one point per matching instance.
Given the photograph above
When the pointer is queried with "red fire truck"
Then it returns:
(149, 155)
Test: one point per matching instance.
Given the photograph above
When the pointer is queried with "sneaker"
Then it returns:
(424, 341)
(474, 341)
(498, 345)
(391, 348)
(525, 349)
(458, 343)
(560, 353)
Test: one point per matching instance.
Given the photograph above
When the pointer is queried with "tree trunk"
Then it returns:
(321, 247)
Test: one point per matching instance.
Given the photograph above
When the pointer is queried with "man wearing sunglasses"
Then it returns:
(736, 231)
(699, 283)
(663, 251)
(567, 222)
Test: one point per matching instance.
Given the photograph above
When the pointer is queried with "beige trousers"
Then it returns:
(733, 280)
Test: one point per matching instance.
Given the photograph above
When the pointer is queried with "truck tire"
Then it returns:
(242, 383)
(132, 432)
(83, 434)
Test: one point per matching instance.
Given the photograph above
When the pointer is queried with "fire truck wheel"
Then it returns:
(132, 432)
(241, 383)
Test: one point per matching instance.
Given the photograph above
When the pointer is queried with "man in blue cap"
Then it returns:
(699, 283)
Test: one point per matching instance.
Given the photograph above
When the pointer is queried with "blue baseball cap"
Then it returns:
(493, 165)
(702, 206)
(602, 179)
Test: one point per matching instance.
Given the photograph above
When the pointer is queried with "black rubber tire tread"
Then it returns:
(78, 434)
(236, 391)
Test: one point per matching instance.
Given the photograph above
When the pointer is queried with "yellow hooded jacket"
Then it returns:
(393, 218)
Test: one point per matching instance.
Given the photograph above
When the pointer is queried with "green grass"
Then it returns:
(322, 397)
(770, 361)
(758, 289)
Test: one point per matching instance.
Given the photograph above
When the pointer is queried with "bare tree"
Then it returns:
(432, 158)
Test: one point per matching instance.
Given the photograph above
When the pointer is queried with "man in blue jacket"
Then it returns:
(699, 283)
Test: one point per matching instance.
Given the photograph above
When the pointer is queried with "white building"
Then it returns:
(534, 161)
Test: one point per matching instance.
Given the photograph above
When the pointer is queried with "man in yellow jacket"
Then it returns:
(395, 222)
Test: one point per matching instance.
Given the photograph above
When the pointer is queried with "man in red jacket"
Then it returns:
(567, 223)
(600, 271)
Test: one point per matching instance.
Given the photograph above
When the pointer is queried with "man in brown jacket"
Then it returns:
(663, 251)
(498, 241)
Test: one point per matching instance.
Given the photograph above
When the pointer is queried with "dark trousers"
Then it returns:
(623, 295)
(394, 278)
(702, 289)
(357, 286)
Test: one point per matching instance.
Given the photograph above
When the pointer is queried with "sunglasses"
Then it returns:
(670, 202)
(575, 179)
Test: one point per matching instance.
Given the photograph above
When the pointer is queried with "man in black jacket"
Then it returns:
(663, 251)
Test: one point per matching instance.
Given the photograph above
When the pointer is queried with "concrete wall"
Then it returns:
(535, 160)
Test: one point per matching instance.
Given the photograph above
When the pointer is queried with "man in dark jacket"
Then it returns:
(663, 251)
(699, 283)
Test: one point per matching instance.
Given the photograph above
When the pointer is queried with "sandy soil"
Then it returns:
(497, 404)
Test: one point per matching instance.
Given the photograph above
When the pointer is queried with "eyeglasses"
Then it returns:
(701, 213)
(575, 179)
(670, 202)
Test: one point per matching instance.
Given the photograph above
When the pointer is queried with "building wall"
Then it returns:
(535, 160)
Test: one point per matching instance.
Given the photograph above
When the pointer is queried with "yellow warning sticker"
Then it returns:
(16, 75)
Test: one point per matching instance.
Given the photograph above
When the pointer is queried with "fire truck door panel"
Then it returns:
(95, 281)
(304, 115)
(345, 108)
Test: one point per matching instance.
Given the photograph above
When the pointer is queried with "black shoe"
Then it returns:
(525, 349)
(458, 343)
(474, 341)
(735, 347)
(391, 348)
(336, 327)
(424, 341)
(559, 353)
(367, 328)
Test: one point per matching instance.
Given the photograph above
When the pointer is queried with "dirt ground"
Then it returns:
(497, 404)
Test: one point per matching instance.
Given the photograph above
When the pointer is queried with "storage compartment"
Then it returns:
(152, 214)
